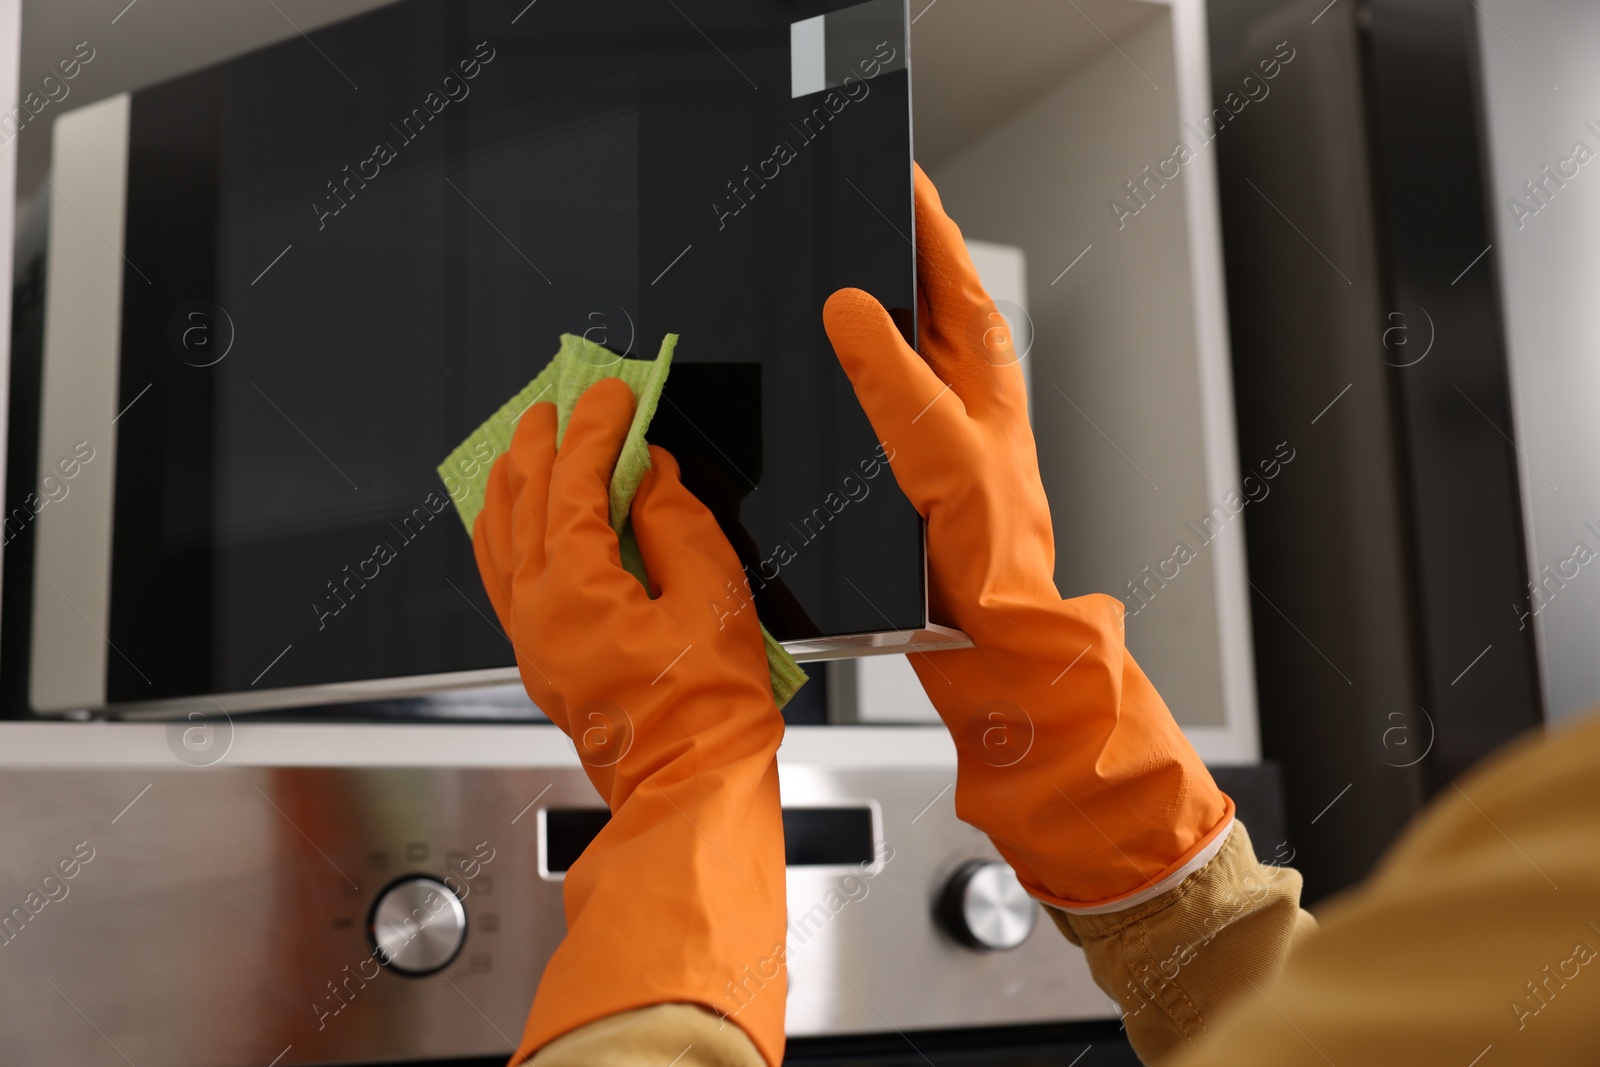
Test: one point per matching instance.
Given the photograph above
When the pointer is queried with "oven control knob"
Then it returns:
(417, 926)
(985, 907)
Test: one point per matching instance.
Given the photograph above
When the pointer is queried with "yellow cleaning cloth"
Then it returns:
(579, 364)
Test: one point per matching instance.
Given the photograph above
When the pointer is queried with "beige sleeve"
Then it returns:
(1473, 943)
(682, 1035)
(1178, 963)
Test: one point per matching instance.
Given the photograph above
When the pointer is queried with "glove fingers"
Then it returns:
(494, 526)
(493, 544)
(684, 550)
(963, 336)
(912, 411)
(578, 539)
(527, 480)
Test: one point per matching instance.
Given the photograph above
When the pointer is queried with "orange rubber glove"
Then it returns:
(671, 711)
(1067, 757)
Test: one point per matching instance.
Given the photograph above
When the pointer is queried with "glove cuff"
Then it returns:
(1197, 857)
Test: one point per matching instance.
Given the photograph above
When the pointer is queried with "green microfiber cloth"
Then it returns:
(579, 364)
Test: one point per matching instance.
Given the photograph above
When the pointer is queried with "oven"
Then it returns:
(231, 893)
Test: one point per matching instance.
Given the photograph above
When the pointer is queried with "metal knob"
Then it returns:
(985, 907)
(418, 925)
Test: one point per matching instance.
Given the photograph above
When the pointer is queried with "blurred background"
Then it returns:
(1304, 293)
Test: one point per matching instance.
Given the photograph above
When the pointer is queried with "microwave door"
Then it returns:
(275, 304)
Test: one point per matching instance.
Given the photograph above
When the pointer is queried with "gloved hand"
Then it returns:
(1067, 757)
(671, 710)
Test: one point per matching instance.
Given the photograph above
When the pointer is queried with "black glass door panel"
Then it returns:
(352, 249)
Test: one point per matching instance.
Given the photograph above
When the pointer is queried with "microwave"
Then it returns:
(264, 298)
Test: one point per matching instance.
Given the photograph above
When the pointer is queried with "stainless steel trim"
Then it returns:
(302, 695)
(156, 746)
(82, 339)
(932, 638)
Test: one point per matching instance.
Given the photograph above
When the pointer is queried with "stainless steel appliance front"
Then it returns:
(222, 884)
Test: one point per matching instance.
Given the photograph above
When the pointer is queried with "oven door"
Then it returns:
(283, 287)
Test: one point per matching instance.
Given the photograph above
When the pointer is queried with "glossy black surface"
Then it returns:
(383, 267)
(812, 837)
